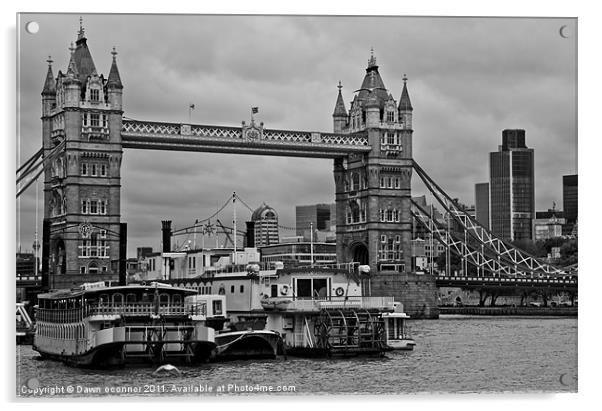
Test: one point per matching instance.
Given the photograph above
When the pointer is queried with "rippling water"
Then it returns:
(453, 354)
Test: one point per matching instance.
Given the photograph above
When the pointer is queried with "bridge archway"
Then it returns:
(359, 253)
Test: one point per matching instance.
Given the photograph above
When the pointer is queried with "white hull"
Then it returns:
(406, 344)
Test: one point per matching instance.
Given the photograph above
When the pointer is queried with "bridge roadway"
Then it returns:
(248, 139)
(473, 282)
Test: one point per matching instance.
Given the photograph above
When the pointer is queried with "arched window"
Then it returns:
(130, 298)
(117, 298)
(355, 181)
(103, 299)
(164, 299)
(176, 299)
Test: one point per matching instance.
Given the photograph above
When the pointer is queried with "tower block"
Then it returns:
(373, 190)
(82, 113)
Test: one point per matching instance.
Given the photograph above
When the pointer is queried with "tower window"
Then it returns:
(84, 207)
(390, 116)
(104, 121)
(103, 206)
(94, 120)
(391, 138)
(103, 170)
(94, 95)
(84, 169)
(94, 207)
(93, 169)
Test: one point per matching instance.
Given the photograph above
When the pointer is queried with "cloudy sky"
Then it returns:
(469, 78)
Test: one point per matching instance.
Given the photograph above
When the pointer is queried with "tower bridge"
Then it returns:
(84, 133)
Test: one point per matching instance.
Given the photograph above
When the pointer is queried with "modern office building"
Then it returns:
(265, 226)
(569, 202)
(482, 203)
(512, 187)
(321, 216)
(547, 227)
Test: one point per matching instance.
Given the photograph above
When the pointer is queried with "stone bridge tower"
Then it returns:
(82, 113)
(373, 190)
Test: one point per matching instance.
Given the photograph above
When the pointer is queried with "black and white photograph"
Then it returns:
(295, 205)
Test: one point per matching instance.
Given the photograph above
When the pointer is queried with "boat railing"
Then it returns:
(70, 315)
(316, 304)
(138, 309)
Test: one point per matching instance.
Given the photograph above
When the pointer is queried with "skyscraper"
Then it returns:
(265, 225)
(482, 203)
(569, 201)
(512, 187)
(320, 215)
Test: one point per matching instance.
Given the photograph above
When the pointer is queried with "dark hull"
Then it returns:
(248, 346)
(114, 355)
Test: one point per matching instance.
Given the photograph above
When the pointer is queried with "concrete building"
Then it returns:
(265, 226)
(512, 187)
(570, 201)
(482, 204)
(546, 228)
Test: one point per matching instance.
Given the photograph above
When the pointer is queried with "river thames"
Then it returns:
(455, 354)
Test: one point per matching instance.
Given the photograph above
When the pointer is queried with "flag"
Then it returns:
(254, 110)
(191, 106)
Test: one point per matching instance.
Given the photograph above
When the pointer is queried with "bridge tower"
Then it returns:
(82, 113)
(373, 191)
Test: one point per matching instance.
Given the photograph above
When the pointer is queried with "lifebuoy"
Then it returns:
(339, 292)
(284, 290)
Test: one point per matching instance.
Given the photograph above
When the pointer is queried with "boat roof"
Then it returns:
(75, 292)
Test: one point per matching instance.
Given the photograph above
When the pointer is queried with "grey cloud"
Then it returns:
(468, 79)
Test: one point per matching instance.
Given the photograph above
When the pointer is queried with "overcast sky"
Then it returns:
(469, 78)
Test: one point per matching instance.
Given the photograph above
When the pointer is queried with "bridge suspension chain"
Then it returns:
(483, 236)
(35, 166)
(475, 257)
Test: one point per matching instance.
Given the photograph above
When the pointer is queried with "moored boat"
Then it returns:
(98, 326)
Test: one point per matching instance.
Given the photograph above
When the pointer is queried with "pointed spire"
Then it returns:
(81, 33)
(372, 61)
(339, 108)
(404, 102)
(50, 83)
(81, 57)
(114, 78)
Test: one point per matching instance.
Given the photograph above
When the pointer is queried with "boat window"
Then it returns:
(130, 298)
(118, 298)
(104, 298)
(232, 289)
(242, 288)
(304, 288)
(164, 299)
(274, 289)
(312, 287)
(176, 299)
(217, 307)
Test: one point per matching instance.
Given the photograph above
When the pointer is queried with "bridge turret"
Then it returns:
(405, 106)
(114, 85)
(340, 113)
(49, 91)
